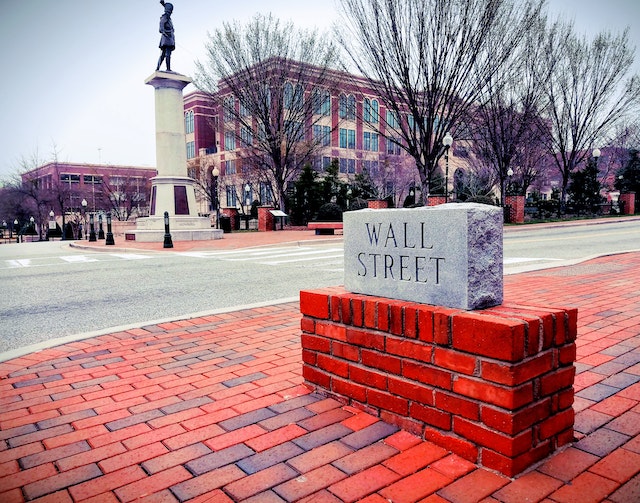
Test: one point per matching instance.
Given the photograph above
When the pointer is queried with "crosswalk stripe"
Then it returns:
(25, 262)
(304, 259)
(129, 256)
(75, 259)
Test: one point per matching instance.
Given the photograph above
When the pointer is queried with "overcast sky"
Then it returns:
(73, 71)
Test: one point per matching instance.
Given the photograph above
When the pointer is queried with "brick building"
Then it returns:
(347, 124)
(122, 190)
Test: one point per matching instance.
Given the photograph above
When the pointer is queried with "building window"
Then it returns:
(293, 96)
(294, 130)
(392, 120)
(246, 137)
(322, 135)
(230, 167)
(69, 178)
(347, 138)
(393, 146)
(347, 107)
(92, 179)
(229, 140)
(266, 194)
(371, 111)
(231, 196)
(371, 141)
(191, 149)
(347, 166)
(370, 167)
(189, 125)
(321, 102)
(229, 108)
(244, 111)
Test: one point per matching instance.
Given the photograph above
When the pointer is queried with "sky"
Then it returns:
(73, 71)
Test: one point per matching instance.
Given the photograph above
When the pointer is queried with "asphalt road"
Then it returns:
(51, 291)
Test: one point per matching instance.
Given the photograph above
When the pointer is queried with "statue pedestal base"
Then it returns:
(182, 228)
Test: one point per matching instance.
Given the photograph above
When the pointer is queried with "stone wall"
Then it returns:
(493, 386)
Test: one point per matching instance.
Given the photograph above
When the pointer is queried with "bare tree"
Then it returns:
(507, 124)
(588, 92)
(272, 82)
(126, 196)
(430, 62)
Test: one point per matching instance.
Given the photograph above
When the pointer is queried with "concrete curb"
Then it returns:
(58, 341)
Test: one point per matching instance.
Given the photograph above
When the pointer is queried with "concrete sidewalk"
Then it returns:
(214, 410)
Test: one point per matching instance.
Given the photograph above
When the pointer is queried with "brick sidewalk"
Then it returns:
(214, 410)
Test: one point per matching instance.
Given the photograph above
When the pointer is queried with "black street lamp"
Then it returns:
(84, 218)
(447, 141)
(16, 229)
(109, 240)
(596, 155)
(215, 173)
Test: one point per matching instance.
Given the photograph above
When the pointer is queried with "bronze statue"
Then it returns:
(167, 40)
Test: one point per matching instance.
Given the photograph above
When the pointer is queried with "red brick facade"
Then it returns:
(494, 386)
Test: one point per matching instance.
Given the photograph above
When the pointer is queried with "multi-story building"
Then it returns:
(347, 124)
(122, 190)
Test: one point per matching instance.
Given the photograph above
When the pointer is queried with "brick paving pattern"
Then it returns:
(214, 410)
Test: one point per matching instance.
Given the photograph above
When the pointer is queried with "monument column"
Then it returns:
(172, 190)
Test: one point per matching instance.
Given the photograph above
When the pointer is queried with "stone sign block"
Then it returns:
(448, 255)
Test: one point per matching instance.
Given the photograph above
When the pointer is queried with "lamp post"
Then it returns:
(17, 230)
(596, 155)
(52, 224)
(109, 240)
(215, 173)
(447, 141)
(32, 226)
(84, 218)
(247, 199)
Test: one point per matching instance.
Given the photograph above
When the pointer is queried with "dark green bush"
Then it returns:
(329, 212)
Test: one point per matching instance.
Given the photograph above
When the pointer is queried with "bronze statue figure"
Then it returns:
(167, 40)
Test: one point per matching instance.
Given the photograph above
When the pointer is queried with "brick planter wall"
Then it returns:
(232, 213)
(516, 209)
(629, 199)
(377, 204)
(493, 386)
(436, 200)
(265, 218)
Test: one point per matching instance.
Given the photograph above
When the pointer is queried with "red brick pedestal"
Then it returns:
(629, 200)
(265, 218)
(377, 204)
(232, 213)
(436, 200)
(493, 386)
(516, 209)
